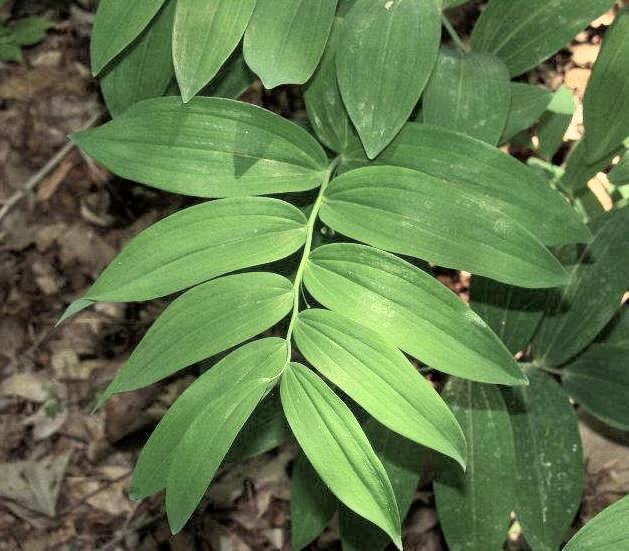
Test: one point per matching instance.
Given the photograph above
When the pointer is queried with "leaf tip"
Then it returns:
(73, 309)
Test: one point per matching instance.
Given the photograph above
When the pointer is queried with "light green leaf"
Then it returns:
(410, 212)
(338, 449)
(377, 376)
(204, 36)
(593, 295)
(285, 39)
(512, 312)
(469, 93)
(599, 381)
(528, 102)
(197, 244)
(555, 122)
(410, 309)
(606, 102)
(549, 460)
(483, 172)
(204, 321)
(386, 53)
(210, 147)
(252, 363)
(117, 24)
(523, 34)
(474, 506)
(607, 531)
(453, 3)
(146, 69)
(311, 504)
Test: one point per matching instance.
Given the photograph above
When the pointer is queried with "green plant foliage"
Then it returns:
(619, 175)
(555, 122)
(469, 93)
(523, 34)
(607, 531)
(528, 102)
(23, 32)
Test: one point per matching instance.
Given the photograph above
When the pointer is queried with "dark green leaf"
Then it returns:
(118, 23)
(386, 53)
(377, 376)
(469, 93)
(555, 122)
(338, 449)
(523, 34)
(204, 321)
(474, 506)
(579, 171)
(285, 39)
(528, 102)
(30, 30)
(549, 460)
(412, 213)
(606, 102)
(599, 381)
(410, 309)
(619, 175)
(210, 147)
(232, 80)
(617, 332)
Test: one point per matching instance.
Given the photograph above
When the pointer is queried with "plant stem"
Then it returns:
(551, 370)
(453, 34)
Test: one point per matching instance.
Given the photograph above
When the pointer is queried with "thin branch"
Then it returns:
(453, 34)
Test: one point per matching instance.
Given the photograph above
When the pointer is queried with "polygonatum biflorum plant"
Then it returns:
(308, 266)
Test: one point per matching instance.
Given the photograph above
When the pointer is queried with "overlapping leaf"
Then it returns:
(528, 102)
(555, 122)
(607, 531)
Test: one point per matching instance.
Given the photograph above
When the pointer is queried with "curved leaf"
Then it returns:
(528, 102)
(607, 531)
(410, 309)
(555, 122)
(210, 147)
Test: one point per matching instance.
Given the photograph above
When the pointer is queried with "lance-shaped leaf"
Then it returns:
(232, 80)
(410, 309)
(512, 312)
(482, 171)
(555, 122)
(386, 53)
(523, 34)
(311, 504)
(593, 295)
(469, 93)
(402, 460)
(377, 376)
(599, 381)
(285, 39)
(204, 321)
(528, 102)
(210, 147)
(474, 506)
(606, 102)
(412, 213)
(607, 531)
(549, 460)
(197, 244)
(118, 23)
(338, 449)
(146, 69)
(579, 171)
(204, 36)
(256, 362)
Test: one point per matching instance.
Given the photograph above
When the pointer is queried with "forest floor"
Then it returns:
(64, 473)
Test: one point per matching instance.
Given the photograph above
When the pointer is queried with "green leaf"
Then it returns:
(210, 147)
(549, 460)
(402, 461)
(285, 39)
(579, 171)
(555, 122)
(483, 172)
(386, 53)
(453, 3)
(474, 506)
(617, 331)
(469, 93)
(255, 362)
(606, 102)
(338, 449)
(30, 30)
(607, 531)
(377, 376)
(410, 309)
(513, 313)
(117, 24)
(593, 295)
(528, 102)
(619, 175)
(599, 381)
(233, 80)
(197, 244)
(312, 505)
(146, 69)
(410, 212)
(204, 36)
(523, 34)
(204, 321)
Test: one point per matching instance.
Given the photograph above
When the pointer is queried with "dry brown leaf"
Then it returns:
(28, 386)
